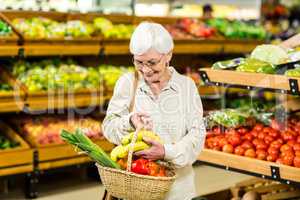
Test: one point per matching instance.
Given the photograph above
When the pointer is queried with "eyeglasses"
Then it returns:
(150, 64)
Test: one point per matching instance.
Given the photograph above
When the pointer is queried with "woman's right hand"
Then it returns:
(141, 120)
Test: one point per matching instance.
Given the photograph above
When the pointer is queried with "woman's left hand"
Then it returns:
(155, 152)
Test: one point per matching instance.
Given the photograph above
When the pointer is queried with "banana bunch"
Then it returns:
(122, 150)
(143, 133)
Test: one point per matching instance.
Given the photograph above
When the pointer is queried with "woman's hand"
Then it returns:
(141, 120)
(155, 152)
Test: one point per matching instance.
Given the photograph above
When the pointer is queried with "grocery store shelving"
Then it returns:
(250, 166)
(227, 78)
(17, 160)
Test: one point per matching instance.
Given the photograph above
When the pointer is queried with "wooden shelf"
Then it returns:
(60, 102)
(54, 156)
(250, 166)
(15, 160)
(248, 80)
(61, 49)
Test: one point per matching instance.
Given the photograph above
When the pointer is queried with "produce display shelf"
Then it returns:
(188, 46)
(270, 82)
(65, 101)
(60, 49)
(251, 166)
(15, 160)
(54, 156)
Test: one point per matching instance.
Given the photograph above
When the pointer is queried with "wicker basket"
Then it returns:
(131, 186)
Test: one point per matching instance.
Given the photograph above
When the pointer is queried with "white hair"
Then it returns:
(149, 35)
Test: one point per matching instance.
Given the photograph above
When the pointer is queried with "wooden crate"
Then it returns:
(270, 81)
(13, 100)
(15, 160)
(249, 164)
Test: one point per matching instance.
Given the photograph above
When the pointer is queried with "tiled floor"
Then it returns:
(208, 180)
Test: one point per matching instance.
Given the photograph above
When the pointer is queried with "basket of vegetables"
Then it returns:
(123, 175)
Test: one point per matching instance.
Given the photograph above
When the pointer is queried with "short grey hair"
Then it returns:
(149, 35)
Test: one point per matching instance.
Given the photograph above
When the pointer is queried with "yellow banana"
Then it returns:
(115, 152)
(143, 133)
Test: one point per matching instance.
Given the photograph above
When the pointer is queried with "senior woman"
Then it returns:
(164, 101)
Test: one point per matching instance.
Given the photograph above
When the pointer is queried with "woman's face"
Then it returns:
(152, 65)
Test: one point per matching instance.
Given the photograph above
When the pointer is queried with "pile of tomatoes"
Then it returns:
(273, 143)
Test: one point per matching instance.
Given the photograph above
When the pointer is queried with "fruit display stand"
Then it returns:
(250, 166)
(264, 169)
(18, 159)
(272, 82)
(53, 46)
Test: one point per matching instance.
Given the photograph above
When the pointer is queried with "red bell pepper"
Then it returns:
(140, 166)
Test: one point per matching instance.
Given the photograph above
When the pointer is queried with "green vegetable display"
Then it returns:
(5, 87)
(4, 29)
(66, 75)
(40, 27)
(109, 30)
(227, 118)
(256, 66)
(81, 141)
(293, 72)
(6, 143)
(270, 53)
(238, 29)
(226, 64)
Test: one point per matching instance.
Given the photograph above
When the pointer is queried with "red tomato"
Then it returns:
(287, 136)
(234, 140)
(261, 145)
(287, 153)
(258, 127)
(298, 139)
(209, 134)
(215, 143)
(261, 154)
(291, 143)
(271, 158)
(267, 129)
(297, 161)
(296, 147)
(268, 139)
(228, 148)
(275, 144)
(239, 150)
(297, 153)
(273, 151)
(242, 131)
(250, 153)
(247, 145)
(288, 159)
(248, 136)
(285, 147)
(280, 140)
(222, 142)
(255, 142)
(262, 135)
(274, 133)
(254, 133)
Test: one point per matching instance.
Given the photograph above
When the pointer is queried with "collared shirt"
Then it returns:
(177, 118)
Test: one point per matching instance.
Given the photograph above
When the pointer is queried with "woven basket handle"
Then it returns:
(131, 148)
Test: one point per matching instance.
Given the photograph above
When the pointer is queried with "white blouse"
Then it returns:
(177, 118)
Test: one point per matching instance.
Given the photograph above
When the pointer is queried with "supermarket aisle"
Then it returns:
(208, 180)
